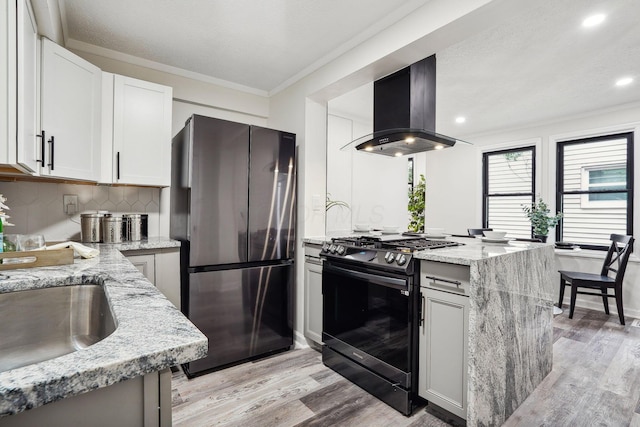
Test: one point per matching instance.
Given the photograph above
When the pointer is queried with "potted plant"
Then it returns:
(541, 220)
(416, 207)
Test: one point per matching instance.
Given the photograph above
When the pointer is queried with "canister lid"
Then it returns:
(91, 215)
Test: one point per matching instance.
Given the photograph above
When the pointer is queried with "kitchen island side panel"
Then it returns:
(510, 332)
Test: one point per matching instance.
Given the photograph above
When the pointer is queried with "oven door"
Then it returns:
(367, 317)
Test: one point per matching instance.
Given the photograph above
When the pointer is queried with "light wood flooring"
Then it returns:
(595, 381)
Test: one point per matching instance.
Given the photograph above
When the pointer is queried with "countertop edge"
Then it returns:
(152, 334)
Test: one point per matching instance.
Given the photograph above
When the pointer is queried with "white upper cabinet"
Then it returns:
(70, 114)
(7, 79)
(137, 147)
(29, 147)
(19, 146)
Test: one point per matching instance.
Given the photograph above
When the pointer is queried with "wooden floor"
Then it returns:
(595, 381)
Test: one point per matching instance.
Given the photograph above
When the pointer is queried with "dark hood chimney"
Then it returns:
(404, 113)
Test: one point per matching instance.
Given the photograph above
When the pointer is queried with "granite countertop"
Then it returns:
(151, 335)
(469, 251)
(149, 244)
(474, 249)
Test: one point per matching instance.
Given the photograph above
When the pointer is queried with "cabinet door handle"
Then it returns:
(42, 142)
(52, 142)
(422, 310)
(118, 165)
(440, 279)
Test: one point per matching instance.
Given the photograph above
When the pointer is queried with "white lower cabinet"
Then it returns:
(162, 268)
(142, 401)
(146, 264)
(313, 293)
(444, 326)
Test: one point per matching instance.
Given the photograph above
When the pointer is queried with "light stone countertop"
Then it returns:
(472, 249)
(151, 334)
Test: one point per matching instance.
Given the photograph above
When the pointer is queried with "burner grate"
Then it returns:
(418, 244)
(403, 245)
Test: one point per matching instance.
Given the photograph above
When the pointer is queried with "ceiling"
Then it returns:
(261, 45)
(539, 66)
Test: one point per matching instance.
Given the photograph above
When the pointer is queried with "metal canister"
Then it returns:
(91, 227)
(136, 226)
(112, 229)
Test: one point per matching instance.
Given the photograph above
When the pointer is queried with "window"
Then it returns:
(508, 184)
(595, 189)
(604, 177)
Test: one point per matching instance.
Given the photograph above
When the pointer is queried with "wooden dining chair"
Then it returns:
(615, 263)
(477, 231)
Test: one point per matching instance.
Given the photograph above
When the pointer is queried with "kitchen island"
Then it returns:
(151, 336)
(509, 334)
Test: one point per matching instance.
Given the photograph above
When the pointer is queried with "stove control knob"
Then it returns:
(340, 250)
(332, 249)
(401, 259)
(389, 257)
(325, 247)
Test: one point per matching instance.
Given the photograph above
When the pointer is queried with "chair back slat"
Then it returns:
(617, 256)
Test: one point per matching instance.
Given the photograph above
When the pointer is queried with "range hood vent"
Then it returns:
(404, 113)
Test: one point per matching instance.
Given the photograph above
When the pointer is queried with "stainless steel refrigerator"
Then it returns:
(233, 208)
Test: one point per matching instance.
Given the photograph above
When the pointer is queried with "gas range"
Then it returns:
(389, 252)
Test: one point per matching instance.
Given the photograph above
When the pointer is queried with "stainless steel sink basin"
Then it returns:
(41, 324)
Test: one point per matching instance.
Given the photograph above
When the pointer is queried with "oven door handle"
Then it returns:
(389, 282)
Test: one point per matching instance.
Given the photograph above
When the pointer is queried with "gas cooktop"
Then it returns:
(388, 252)
(396, 242)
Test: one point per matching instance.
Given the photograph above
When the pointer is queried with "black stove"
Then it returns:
(388, 252)
(370, 291)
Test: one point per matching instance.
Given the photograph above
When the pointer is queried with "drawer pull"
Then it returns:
(439, 279)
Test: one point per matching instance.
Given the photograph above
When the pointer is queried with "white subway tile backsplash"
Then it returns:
(37, 207)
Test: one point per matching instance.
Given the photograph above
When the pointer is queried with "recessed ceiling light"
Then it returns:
(461, 119)
(398, 154)
(593, 20)
(624, 81)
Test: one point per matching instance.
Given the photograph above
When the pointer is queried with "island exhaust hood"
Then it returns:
(404, 113)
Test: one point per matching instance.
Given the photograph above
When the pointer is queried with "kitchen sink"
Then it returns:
(41, 324)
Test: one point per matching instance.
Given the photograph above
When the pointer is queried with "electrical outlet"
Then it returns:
(70, 204)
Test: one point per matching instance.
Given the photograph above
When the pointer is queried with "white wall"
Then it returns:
(451, 186)
(339, 181)
(454, 186)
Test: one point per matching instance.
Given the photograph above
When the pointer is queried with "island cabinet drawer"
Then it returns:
(445, 277)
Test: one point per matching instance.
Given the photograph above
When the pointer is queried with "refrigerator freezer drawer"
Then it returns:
(243, 312)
